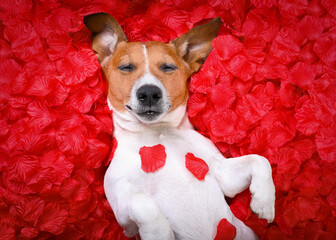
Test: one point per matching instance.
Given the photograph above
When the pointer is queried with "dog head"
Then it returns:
(148, 80)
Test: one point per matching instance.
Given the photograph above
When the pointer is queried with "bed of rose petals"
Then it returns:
(268, 87)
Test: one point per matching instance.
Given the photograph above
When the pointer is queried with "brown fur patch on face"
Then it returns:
(120, 82)
(175, 81)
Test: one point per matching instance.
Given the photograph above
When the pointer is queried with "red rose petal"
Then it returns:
(72, 140)
(261, 23)
(258, 140)
(284, 47)
(224, 127)
(59, 163)
(42, 116)
(225, 230)
(263, 3)
(203, 81)
(252, 107)
(326, 143)
(96, 153)
(311, 27)
(69, 188)
(25, 43)
(326, 50)
(54, 219)
(196, 103)
(330, 6)
(332, 198)
(241, 67)
(152, 158)
(292, 8)
(29, 232)
(227, 46)
(40, 85)
(114, 148)
(307, 122)
(82, 99)
(307, 54)
(29, 209)
(7, 232)
(222, 96)
(197, 166)
(271, 69)
(302, 75)
(288, 95)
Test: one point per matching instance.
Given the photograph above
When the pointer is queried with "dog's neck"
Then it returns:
(125, 123)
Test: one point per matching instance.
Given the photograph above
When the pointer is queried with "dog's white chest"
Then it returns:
(181, 184)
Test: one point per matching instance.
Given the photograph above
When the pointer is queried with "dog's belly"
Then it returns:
(194, 207)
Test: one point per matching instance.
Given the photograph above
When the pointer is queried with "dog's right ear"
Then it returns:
(106, 34)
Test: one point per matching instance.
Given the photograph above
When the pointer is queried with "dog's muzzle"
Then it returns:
(150, 103)
(149, 97)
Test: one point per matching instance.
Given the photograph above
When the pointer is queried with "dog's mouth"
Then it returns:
(149, 116)
(149, 113)
(146, 114)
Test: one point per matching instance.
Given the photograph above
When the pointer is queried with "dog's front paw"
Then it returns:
(159, 229)
(263, 201)
(131, 230)
(152, 224)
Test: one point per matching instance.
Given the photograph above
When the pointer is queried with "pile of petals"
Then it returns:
(268, 87)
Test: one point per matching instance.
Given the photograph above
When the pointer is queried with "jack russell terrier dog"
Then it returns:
(167, 181)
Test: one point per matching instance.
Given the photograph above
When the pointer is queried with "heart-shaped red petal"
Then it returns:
(225, 230)
(197, 166)
(152, 158)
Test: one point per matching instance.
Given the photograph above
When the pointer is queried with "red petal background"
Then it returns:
(268, 87)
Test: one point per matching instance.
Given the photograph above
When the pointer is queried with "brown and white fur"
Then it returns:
(169, 203)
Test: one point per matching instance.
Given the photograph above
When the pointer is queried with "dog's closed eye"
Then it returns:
(168, 67)
(127, 67)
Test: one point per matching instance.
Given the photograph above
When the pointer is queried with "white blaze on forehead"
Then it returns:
(146, 58)
(148, 78)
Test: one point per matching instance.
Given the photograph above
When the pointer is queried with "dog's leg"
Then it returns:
(137, 212)
(236, 174)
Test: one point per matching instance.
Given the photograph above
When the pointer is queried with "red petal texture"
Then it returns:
(54, 219)
(268, 87)
(225, 230)
(152, 158)
(227, 46)
(197, 166)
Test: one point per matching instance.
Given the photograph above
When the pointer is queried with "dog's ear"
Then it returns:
(195, 45)
(106, 34)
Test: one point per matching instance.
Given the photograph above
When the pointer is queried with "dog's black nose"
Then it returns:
(149, 95)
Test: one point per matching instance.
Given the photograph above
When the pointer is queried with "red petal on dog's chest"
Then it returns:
(225, 230)
(196, 166)
(152, 158)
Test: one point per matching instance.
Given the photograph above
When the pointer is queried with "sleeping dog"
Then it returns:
(167, 181)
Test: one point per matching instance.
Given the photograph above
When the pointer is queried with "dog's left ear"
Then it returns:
(195, 45)
(106, 34)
